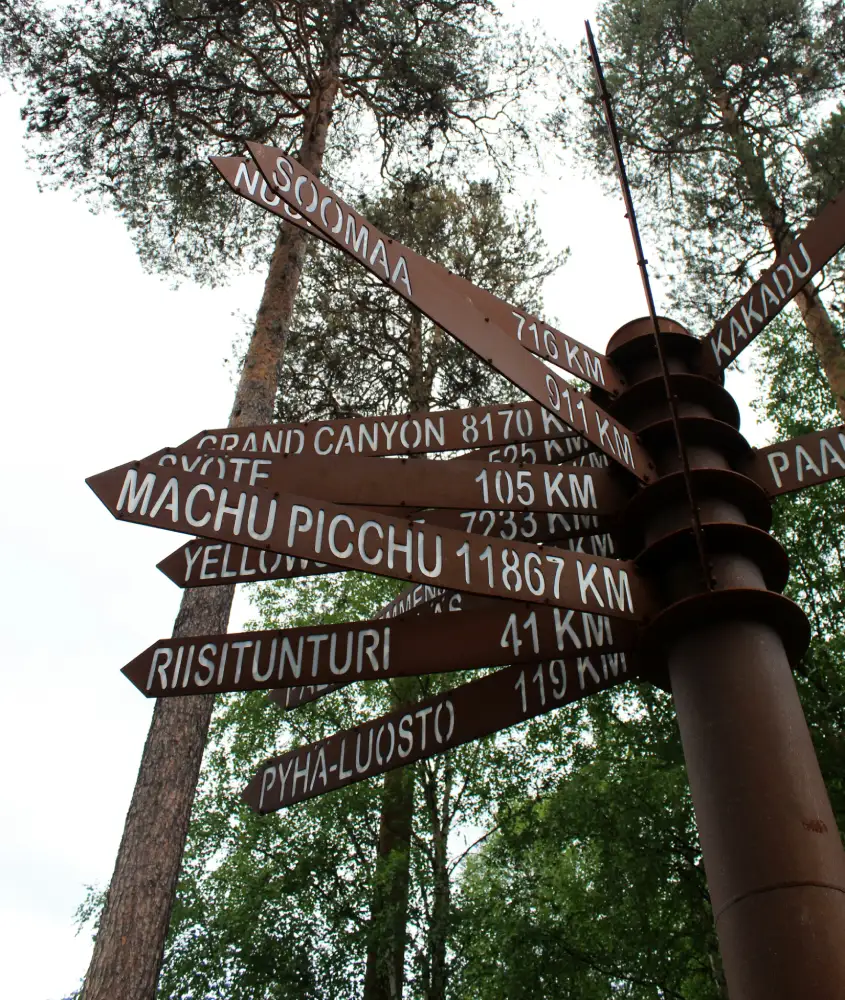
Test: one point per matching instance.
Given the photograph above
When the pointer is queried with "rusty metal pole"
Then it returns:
(772, 853)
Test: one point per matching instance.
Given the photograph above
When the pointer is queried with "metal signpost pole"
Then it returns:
(772, 851)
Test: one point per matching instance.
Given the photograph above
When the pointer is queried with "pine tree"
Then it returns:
(724, 115)
(124, 102)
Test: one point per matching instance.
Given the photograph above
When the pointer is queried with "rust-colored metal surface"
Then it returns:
(767, 831)
(378, 649)
(391, 433)
(351, 538)
(468, 712)
(422, 284)
(416, 483)
(792, 270)
(801, 461)
(553, 451)
(536, 336)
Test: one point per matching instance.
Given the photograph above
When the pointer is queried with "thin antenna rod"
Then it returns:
(652, 312)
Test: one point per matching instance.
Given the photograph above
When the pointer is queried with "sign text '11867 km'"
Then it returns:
(359, 539)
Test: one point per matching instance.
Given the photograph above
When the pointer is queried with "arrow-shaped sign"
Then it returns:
(801, 461)
(422, 284)
(378, 649)
(352, 538)
(447, 720)
(416, 483)
(533, 333)
(792, 270)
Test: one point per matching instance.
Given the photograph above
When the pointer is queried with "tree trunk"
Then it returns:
(441, 897)
(817, 321)
(129, 946)
(384, 977)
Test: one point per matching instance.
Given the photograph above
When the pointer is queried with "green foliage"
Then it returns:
(126, 100)
(595, 887)
(810, 524)
(355, 348)
(718, 103)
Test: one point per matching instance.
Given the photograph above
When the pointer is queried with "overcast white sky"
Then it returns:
(103, 364)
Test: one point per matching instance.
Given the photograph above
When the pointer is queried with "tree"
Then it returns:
(723, 111)
(124, 101)
(355, 348)
(593, 886)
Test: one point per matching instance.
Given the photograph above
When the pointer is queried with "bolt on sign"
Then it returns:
(447, 720)
(379, 649)
(352, 538)
(425, 286)
(531, 332)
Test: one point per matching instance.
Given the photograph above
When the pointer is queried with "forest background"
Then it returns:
(86, 323)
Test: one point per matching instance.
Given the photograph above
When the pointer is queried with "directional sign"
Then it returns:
(378, 649)
(392, 433)
(416, 483)
(420, 282)
(792, 269)
(535, 335)
(447, 720)
(359, 539)
(802, 461)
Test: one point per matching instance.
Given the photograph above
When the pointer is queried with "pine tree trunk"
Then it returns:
(441, 897)
(384, 977)
(129, 946)
(817, 321)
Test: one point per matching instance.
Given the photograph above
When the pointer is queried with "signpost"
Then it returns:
(535, 336)
(395, 433)
(416, 483)
(694, 606)
(432, 726)
(803, 461)
(823, 238)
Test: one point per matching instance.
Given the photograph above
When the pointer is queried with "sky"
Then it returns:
(102, 364)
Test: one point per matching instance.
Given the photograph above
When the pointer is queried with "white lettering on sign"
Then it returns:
(354, 235)
(810, 462)
(369, 748)
(765, 299)
(283, 658)
(553, 344)
(389, 546)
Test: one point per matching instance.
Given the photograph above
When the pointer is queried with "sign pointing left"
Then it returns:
(351, 538)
